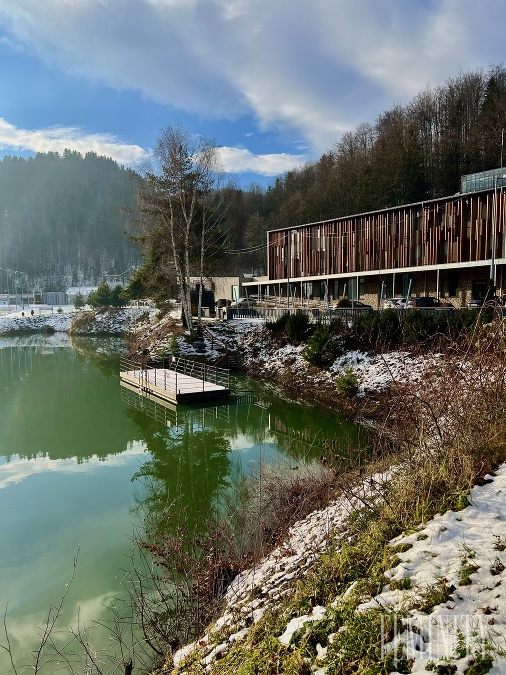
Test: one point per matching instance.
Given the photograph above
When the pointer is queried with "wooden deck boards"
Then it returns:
(170, 385)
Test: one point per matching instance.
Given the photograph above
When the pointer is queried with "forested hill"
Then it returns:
(410, 153)
(62, 220)
(61, 217)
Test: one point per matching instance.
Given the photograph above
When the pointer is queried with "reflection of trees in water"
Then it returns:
(53, 404)
(187, 472)
(101, 353)
(299, 430)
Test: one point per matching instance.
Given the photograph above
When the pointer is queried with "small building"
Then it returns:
(55, 298)
(226, 288)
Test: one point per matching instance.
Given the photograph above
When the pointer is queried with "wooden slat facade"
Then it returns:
(452, 230)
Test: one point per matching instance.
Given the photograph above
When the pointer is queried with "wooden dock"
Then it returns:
(179, 381)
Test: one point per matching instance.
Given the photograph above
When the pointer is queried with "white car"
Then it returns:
(395, 303)
(243, 303)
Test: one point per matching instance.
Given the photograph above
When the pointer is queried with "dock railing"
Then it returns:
(165, 375)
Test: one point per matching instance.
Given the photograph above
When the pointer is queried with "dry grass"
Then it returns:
(438, 437)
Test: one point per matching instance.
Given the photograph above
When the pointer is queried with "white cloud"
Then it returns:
(18, 469)
(302, 69)
(238, 160)
(57, 139)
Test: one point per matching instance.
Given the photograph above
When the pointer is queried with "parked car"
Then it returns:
(243, 303)
(395, 303)
(496, 301)
(475, 303)
(352, 303)
(425, 302)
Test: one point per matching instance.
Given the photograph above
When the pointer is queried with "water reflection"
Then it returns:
(256, 417)
(53, 404)
(201, 452)
(77, 456)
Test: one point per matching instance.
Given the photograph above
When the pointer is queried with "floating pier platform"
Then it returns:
(179, 380)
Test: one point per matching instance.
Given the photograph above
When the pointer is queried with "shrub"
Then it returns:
(279, 325)
(375, 329)
(323, 347)
(101, 297)
(347, 383)
(297, 326)
(79, 301)
(117, 297)
(422, 327)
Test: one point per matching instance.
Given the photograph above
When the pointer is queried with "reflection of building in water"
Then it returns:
(277, 425)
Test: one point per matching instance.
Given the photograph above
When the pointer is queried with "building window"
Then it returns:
(443, 250)
(449, 283)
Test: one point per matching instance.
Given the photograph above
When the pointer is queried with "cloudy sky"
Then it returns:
(274, 82)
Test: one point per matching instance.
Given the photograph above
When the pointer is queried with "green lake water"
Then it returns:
(79, 455)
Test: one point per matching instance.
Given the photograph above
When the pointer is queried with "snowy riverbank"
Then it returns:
(460, 554)
(110, 321)
(468, 627)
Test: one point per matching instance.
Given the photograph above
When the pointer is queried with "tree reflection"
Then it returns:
(189, 469)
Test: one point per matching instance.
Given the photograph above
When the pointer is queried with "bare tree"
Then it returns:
(179, 198)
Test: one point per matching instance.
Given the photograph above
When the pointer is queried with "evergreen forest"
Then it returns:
(63, 217)
(62, 221)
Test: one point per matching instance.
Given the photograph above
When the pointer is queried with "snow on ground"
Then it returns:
(252, 342)
(114, 321)
(42, 317)
(464, 551)
(380, 371)
(374, 372)
(262, 587)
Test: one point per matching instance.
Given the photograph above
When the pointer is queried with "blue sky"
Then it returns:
(274, 83)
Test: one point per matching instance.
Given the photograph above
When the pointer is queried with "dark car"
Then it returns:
(475, 303)
(496, 301)
(426, 301)
(352, 303)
